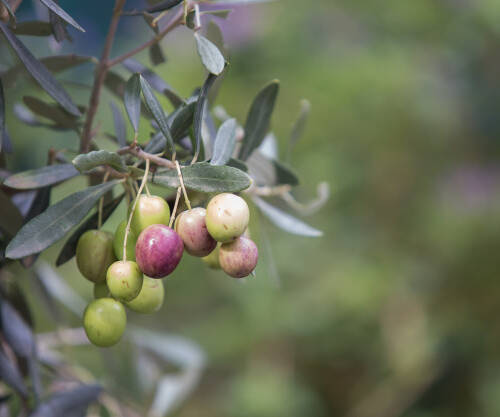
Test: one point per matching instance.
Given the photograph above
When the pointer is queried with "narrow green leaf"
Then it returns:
(286, 221)
(211, 57)
(224, 143)
(11, 375)
(120, 127)
(87, 161)
(2, 115)
(55, 8)
(39, 72)
(200, 111)
(237, 163)
(156, 110)
(33, 28)
(205, 178)
(164, 5)
(50, 226)
(11, 219)
(69, 248)
(9, 10)
(132, 100)
(52, 112)
(258, 119)
(38, 178)
(156, 54)
(59, 27)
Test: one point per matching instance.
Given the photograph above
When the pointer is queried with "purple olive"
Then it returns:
(158, 250)
(239, 258)
(191, 227)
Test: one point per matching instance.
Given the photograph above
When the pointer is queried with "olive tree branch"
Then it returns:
(100, 76)
(139, 153)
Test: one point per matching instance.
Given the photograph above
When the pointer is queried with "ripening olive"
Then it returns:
(104, 321)
(94, 254)
(227, 217)
(120, 237)
(212, 259)
(150, 299)
(150, 210)
(191, 227)
(124, 279)
(239, 258)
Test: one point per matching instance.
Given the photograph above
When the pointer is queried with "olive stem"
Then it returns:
(101, 203)
(181, 180)
(127, 229)
(174, 211)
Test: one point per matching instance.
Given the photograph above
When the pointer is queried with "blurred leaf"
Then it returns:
(11, 375)
(258, 119)
(132, 100)
(16, 332)
(69, 248)
(58, 27)
(38, 178)
(119, 122)
(2, 116)
(225, 143)
(270, 172)
(237, 163)
(12, 16)
(269, 146)
(156, 54)
(299, 125)
(285, 221)
(164, 5)
(211, 57)
(64, 404)
(155, 108)
(33, 28)
(200, 111)
(39, 72)
(222, 13)
(7, 142)
(55, 8)
(51, 111)
(26, 116)
(115, 83)
(205, 178)
(50, 226)
(87, 161)
(10, 217)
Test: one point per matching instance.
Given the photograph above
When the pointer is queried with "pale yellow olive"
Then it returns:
(227, 217)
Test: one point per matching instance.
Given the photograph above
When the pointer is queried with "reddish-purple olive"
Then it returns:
(158, 250)
(191, 227)
(239, 258)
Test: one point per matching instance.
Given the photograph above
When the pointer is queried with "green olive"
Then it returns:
(150, 299)
(124, 280)
(118, 242)
(150, 210)
(94, 254)
(212, 259)
(227, 217)
(104, 321)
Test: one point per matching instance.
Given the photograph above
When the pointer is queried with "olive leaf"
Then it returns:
(285, 221)
(132, 100)
(119, 122)
(164, 5)
(55, 8)
(39, 72)
(11, 376)
(38, 178)
(11, 219)
(258, 119)
(2, 115)
(33, 28)
(270, 172)
(87, 161)
(200, 112)
(50, 226)
(211, 57)
(156, 54)
(54, 112)
(225, 142)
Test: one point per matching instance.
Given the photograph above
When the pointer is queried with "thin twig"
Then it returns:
(139, 153)
(181, 180)
(174, 211)
(101, 71)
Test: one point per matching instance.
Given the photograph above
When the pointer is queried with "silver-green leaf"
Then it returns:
(211, 57)
(132, 100)
(87, 161)
(55, 8)
(39, 178)
(225, 142)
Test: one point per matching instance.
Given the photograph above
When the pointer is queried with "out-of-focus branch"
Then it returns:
(139, 153)
(14, 5)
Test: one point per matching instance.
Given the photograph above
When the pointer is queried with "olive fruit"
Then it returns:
(94, 254)
(239, 258)
(227, 217)
(149, 210)
(191, 227)
(101, 290)
(212, 259)
(120, 237)
(104, 321)
(158, 250)
(124, 279)
(150, 299)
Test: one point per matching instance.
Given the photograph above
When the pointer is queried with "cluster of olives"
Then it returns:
(153, 250)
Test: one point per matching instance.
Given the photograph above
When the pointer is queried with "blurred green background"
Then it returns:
(394, 311)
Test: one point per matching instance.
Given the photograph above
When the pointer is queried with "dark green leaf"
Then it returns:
(286, 221)
(16, 331)
(55, 222)
(69, 248)
(87, 161)
(237, 163)
(39, 72)
(11, 375)
(164, 5)
(12, 16)
(156, 110)
(224, 143)
(205, 178)
(132, 100)
(200, 111)
(54, 7)
(120, 127)
(2, 115)
(10, 218)
(38, 178)
(258, 119)
(33, 28)
(51, 111)
(211, 57)
(58, 27)
(156, 54)
(115, 83)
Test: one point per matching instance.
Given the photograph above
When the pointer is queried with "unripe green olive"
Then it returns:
(150, 210)
(212, 259)
(227, 217)
(118, 242)
(124, 280)
(104, 321)
(101, 290)
(94, 254)
(150, 299)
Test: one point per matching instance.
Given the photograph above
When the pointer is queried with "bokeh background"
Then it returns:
(394, 311)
